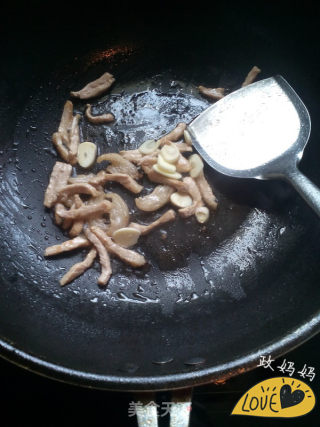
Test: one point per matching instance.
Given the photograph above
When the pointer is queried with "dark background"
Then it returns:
(28, 399)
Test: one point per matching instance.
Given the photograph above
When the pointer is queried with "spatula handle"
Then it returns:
(309, 191)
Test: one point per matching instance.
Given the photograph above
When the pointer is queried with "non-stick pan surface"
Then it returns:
(213, 298)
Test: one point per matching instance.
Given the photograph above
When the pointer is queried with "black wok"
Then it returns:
(212, 300)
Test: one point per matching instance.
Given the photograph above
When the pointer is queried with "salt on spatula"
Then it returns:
(259, 131)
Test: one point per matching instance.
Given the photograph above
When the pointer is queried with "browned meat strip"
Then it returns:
(86, 211)
(77, 225)
(155, 200)
(119, 165)
(57, 218)
(183, 147)
(102, 177)
(206, 191)
(212, 93)
(76, 228)
(69, 245)
(127, 255)
(192, 188)
(99, 198)
(106, 270)
(59, 177)
(69, 202)
(149, 159)
(119, 213)
(195, 194)
(99, 222)
(174, 135)
(123, 179)
(145, 229)
(82, 188)
(133, 156)
(66, 121)
(81, 178)
(60, 146)
(74, 139)
(77, 269)
(67, 222)
(160, 179)
(182, 165)
(98, 120)
(95, 88)
(251, 76)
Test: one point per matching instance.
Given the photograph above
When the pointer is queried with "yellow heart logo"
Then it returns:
(281, 397)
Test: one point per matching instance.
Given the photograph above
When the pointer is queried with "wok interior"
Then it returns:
(213, 294)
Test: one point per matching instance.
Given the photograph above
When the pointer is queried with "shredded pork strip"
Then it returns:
(160, 179)
(99, 222)
(95, 88)
(251, 76)
(145, 229)
(57, 218)
(77, 269)
(69, 245)
(183, 165)
(123, 179)
(119, 165)
(66, 121)
(104, 258)
(149, 159)
(86, 211)
(183, 147)
(159, 197)
(133, 156)
(67, 222)
(212, 93)
(195, 194)
(102, 177)
(59, 177)
(119, 213)
(174, 135)
(81, 178)
(127, 255)
(82, 188)
(77, 225)
(98, 120)
(74, 139)
(206, 191)
(60, 146)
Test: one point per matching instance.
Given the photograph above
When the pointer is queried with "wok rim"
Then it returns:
(217, 374)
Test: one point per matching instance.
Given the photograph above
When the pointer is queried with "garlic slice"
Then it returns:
(202, 214)
(170, 153)
(126, 237)
(187, 137)
(174, 175)
(87, 152)
(196, 164)
(166, 166)
(148, 146)
(181, 200)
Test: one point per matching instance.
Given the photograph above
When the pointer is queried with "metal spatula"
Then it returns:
(259, 131)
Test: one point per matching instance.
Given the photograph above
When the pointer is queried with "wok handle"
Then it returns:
(309, 191)
(179, 408)
(146, 410)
